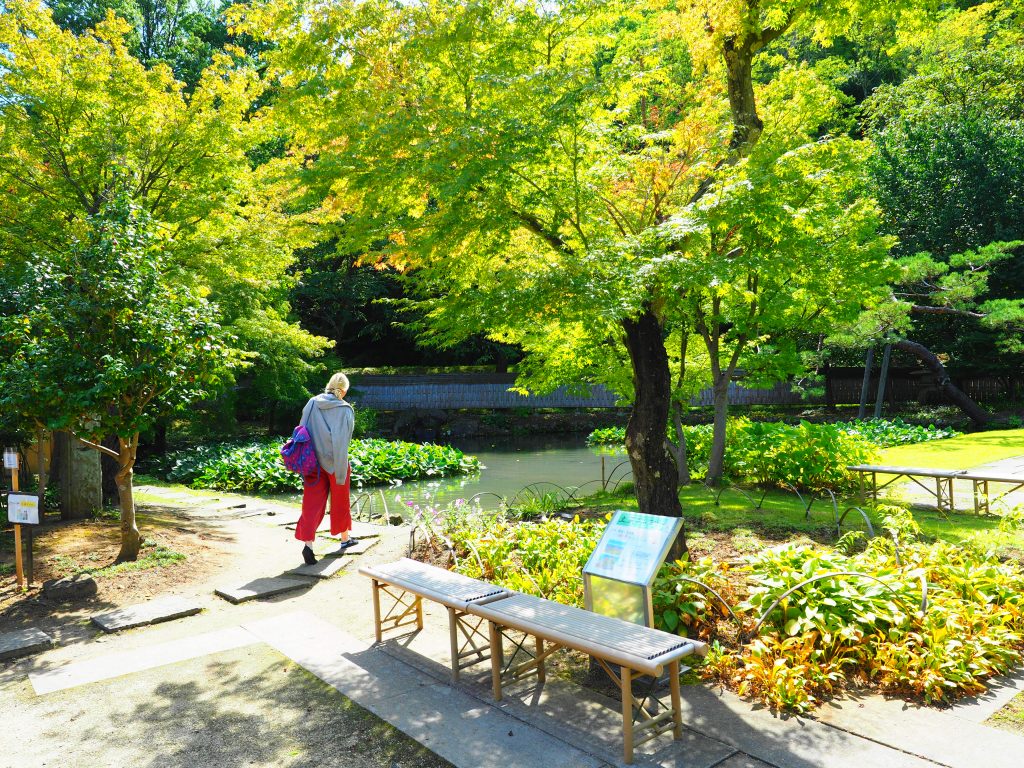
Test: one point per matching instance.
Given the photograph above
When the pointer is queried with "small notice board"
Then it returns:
(618, 577)
(22, 509)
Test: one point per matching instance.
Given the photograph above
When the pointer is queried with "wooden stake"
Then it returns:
(19, 568)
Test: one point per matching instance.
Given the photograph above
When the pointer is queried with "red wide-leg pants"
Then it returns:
(314, 504)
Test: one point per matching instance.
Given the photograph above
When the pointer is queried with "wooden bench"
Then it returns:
(635, 649)
(405, 578)
(943, 491)
(980, 481)
(944, 478)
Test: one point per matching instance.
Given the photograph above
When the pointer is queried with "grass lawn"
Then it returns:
(782, 518)
(959, 452)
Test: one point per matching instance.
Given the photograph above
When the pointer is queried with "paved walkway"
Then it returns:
(72, 698)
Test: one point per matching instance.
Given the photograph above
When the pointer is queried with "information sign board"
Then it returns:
(633, 547)
(10, 458)
(617, 578)
(23, 509)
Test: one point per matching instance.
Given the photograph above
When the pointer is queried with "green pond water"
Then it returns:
(518, 467)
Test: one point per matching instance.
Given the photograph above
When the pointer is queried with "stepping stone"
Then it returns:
(356, 549)
(266, 587)
(321, 569)
(359, 529)
(152, 612)
(24, 642)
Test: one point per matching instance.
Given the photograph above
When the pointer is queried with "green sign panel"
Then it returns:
(618, 576)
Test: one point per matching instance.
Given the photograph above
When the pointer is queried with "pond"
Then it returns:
(513, 467)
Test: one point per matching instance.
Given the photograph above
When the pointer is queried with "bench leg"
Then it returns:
(453, 633)
(627, 715)
(419, 612)
(541, 675)
(677, 701)
(376, 610)
(497, 659)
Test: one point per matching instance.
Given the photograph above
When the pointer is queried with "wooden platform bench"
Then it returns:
(406, 582)
(943, 481)
(625, 651)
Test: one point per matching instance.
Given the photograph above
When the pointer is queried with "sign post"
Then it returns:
(21, 510)
(619, 576)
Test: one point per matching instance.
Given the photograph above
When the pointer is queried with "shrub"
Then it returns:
(862, 624)
(607, 436)
(805, 455)
(366, 422)
(256, 465)
(542, 558)
(873, 629)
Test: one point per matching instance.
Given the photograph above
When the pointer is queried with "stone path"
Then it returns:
(263, 587)
(559, 724)
(324, 568)
(152, 612)
(127, 662)
(24, 642)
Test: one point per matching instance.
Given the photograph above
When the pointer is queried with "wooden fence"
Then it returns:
(491, 391)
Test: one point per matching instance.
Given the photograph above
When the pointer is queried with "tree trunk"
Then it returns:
(655, 477)
(746, 125)
(131, 541)
(679, 450)
(110, 468)
(716, 462)
(974, 411)
(40, 437)
(160, 437)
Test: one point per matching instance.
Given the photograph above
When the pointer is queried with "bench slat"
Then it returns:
(616, 640)
(446, 587)
(884, 470)
(991, 478)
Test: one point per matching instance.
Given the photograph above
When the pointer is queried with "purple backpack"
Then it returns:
(298, 454)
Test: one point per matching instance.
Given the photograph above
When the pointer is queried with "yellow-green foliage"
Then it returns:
(543, 558)
(873, 631)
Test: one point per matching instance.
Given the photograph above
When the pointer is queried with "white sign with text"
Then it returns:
(22, 509)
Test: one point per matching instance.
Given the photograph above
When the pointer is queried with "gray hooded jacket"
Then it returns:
(330, 421)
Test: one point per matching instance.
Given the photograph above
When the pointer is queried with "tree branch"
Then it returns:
(924, 309)
(100, 448)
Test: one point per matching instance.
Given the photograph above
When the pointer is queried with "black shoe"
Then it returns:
(308, 556)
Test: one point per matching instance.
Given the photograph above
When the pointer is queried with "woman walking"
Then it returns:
(329, 420)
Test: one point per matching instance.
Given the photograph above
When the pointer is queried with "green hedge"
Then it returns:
(256, 465)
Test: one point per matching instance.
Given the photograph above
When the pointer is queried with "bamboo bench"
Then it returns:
(634, 649)
(407, 582)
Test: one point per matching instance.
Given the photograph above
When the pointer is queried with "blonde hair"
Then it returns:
(338, 385)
